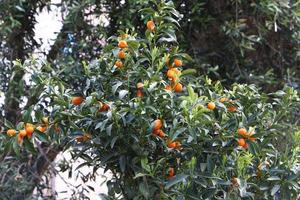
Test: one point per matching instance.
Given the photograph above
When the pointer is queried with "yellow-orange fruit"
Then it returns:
(178, 87)
(172, 145)
(177, 62)
(223, 99)
(150, 25)
(20, 138)
(22, 133)
(42, 128)
(242, 142)
(122, 44)
(77, 100)
(139, 85)
(211, 105)
(119, 64)
(11, 132)
(121, 55)
(242, 131)
(157, 124)
(29, 130)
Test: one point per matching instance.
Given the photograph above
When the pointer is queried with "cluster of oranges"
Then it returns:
(121, 54)
(245, 136)
(231, 107)
(28, 130)
(173, 75)
(158, 132)
(77, 100)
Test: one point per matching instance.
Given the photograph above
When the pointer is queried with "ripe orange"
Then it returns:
(168, 87)
(77, 100)
(11, 132)
(231, 108)
(139, 93)
(22, 133)
(157, 124)
(121, 55)
(42, 128)
(171, 74)
(242, 131)
(172, 145)
(161, 134)
(119, 64)
(177, 62)
(150, 25)
(139, 85)
(156, 132)
(178, 145)
(29, 130)
(122, 44)
(211, 105)
(177, 71)
(252, 139)
(171, 172)
(79, 139)
(223, 99)
(178, 87)
(104, 107)
(242, 142)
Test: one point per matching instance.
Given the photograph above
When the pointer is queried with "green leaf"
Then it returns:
(176, 179)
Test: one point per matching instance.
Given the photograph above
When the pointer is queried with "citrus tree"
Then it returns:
(160, 131)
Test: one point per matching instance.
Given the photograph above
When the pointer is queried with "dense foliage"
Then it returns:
(136, 108)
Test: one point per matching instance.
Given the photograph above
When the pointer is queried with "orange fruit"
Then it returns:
(178, 87)
(242, 142)
(11, 132)
(156, 132)
(150, 25)
(172, 145)
(20, 138)
(22, 133)
(161, 134)
(157, 124)
(42, 128)
(121, 55)
(178, 145)
(119, 64)
(211, 105)
(177, 62)
(252, 139)
(104, 107)
(168, 87)
(29, 130)
(177, 71)
(139, 93)
(231, 108)
(87, 137)
(223, 99)
(122, 44)
(139, 85)
(242, 131)
(171, 74)
(77, 100)
(171, 172)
